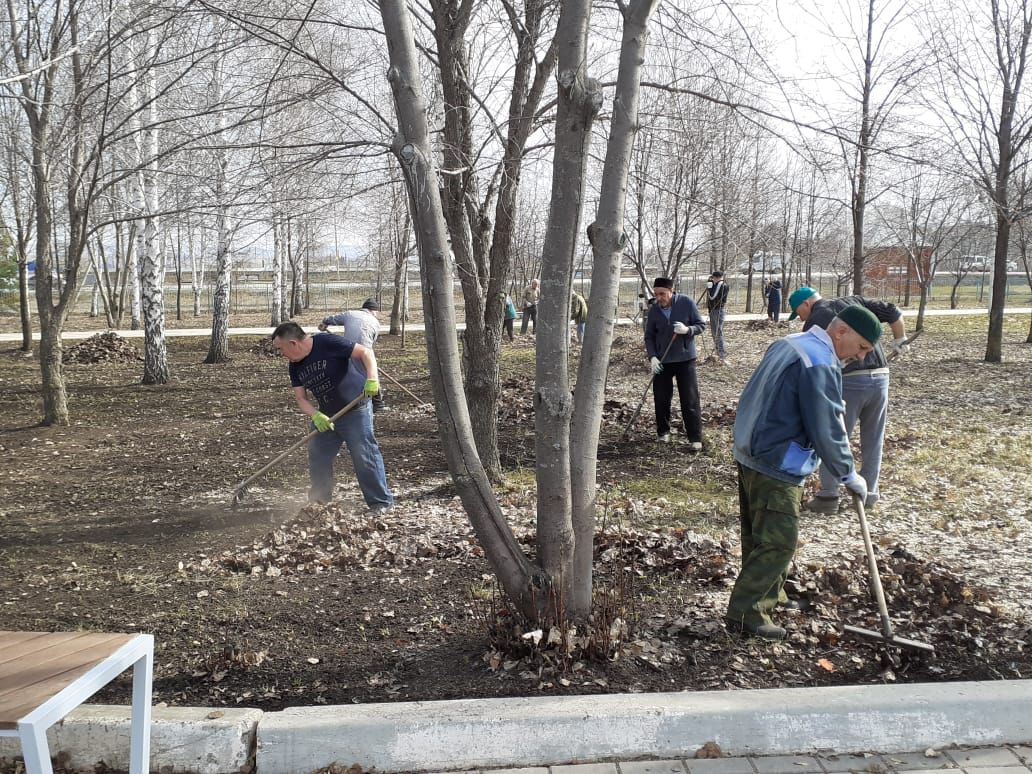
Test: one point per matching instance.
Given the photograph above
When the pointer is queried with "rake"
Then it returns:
(886, 635)
(241, 489)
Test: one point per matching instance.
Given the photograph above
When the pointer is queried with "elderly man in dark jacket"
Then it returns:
(865, 387)
(672, 324)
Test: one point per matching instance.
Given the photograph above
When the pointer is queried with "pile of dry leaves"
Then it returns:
(106, 347)
(332, 536)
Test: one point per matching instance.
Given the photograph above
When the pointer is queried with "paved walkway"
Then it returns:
(419, 327)
(979, 760)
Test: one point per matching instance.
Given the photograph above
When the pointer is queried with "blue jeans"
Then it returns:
(867, 399)
(716, 325)
(356, 430)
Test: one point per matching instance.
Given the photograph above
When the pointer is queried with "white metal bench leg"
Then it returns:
(139, 743)
(33, 739)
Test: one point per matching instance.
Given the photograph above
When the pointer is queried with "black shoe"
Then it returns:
(771, 632)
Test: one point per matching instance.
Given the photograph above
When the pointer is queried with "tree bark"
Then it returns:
(218, 350)
(277, 274)
(579, 101)
(608, 239)
(858, 204)
(23, 304)
(152, 274)
(525, 584)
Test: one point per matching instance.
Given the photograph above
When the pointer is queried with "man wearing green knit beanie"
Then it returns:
(789, 421)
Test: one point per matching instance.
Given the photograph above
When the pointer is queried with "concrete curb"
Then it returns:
(514, 733)
(435, 736)
(183, 739)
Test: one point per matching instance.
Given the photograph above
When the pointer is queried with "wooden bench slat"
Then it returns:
(54, 661)
(19, 704)
(14, 645)
(9, 640)
(29, 680)
(21, 643)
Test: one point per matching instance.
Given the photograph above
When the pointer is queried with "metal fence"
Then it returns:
(328, 296)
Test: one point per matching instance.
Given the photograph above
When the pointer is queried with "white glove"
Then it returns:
(657, 367)
(900, 346)
(855, 483)
(681, 328)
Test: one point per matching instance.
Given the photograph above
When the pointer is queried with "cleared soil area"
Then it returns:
(122, 522)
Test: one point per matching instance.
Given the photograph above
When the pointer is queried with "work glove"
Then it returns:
(855, 483)
(657, 367)
(322, 422)
(900, 346)
(372, 387)
(681, 328)
(323, 326)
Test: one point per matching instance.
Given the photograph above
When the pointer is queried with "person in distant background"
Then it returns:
(531, 296)
(362, 326)
(509, 317)
(670, 330)
(579, 315)
(716, 303)
(773, 293)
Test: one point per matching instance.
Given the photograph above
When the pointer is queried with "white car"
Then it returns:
(769, 266)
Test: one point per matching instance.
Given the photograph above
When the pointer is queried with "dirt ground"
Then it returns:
(122, 522)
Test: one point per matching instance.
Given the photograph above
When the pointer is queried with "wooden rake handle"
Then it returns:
(238, 493)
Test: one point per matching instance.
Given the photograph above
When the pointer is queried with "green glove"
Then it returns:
(372, 386)
(322, 422)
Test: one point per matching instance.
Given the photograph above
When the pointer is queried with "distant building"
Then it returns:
(888, 270)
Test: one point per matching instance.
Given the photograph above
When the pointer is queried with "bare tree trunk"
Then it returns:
(133, 270)
(400, 279)
(994, 342)
(23, 303)
(579, 101)
(277, 274)
(858, 205)
(152, 274)
(608, 239)
(524, 583)
(922, 305)
(218, 350)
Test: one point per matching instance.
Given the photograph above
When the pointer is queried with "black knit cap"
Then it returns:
(862, 321)
(370, 304)
(663, 282)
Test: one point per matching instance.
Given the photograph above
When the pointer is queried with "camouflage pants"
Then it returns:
(769, 513)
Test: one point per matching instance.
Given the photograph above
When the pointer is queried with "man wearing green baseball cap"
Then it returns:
(865, 388)
(789, 421)
(801, 297)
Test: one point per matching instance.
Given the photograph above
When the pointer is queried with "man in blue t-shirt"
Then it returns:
(335, 371)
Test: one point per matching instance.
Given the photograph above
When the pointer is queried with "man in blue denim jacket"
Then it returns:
(789, 421)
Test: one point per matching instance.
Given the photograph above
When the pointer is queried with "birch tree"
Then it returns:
(152, 269)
